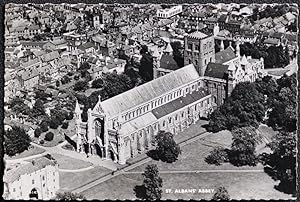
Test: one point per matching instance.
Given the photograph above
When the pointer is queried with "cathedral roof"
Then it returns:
(168, 62)
(169, 49)
(225, 55)
(179, 103)
(215, 70)
(150, 90)
(244, 60)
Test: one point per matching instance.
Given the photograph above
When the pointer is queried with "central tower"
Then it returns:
(199, 49)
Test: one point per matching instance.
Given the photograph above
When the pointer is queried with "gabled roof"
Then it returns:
(215, 70)
(168, 62)
(86, 46)
(50, 56)
(18, 170)
(225, 55)
(272, 41)
(149, 90)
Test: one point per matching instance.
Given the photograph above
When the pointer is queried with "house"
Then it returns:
(169, 12)
(272, 42)
(56, 44)
(40, 176)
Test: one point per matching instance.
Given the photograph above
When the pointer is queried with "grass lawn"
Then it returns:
(65, 162)
(239, 186)
(58, 135)
(32, 150)
(70, 181)
(58, 138)
(188, 133)
(193, 155)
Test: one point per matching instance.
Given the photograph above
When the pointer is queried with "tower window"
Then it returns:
(190, 46)
(196, 62)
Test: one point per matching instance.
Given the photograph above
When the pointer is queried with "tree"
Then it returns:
(69, 196)
(281, 164)
(146, 67)
(116, 84)
(65, 125)
(152, 183)
(38, 109)
(283, 114)
(221, 194)
(84, 66)
(37, 132)
(217, 156)
(57, 83)
(17, 105)
(177, 53)
(16, 140)
(243, 108)
(98, 83)
(243, 147)
(49, 136)
(54, 122)
(80, 85)
(44, 126)
(166, 147)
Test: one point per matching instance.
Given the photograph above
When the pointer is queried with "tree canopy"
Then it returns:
(243, 146)
(244, 107)
(69, 196)
(16, 141)
(166, 147)
(221, 194)
(283, 104)
(152, 183)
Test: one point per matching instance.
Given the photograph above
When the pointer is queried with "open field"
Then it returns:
(70, 181)
(65, 162)
(193, 155)
(239, 186)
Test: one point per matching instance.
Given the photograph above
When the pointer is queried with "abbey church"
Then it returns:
(123, 126)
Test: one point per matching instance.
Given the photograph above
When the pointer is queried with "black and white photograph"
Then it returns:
(150, 101)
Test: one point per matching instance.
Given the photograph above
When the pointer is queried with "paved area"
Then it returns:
(77, 170)
(95, 160)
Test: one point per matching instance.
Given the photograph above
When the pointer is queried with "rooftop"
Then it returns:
(215, 70)
(149, 91)
(14, 172)
(225, 55)
(197, 35)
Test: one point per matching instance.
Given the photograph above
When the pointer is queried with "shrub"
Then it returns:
(37, 132)
(70, 116)
(98, 83)
(76, 77)
(44, 126)
(217, 156)
(54, 122)
(81, 85)
(49, 136)
(42, 141)
(65, 125)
